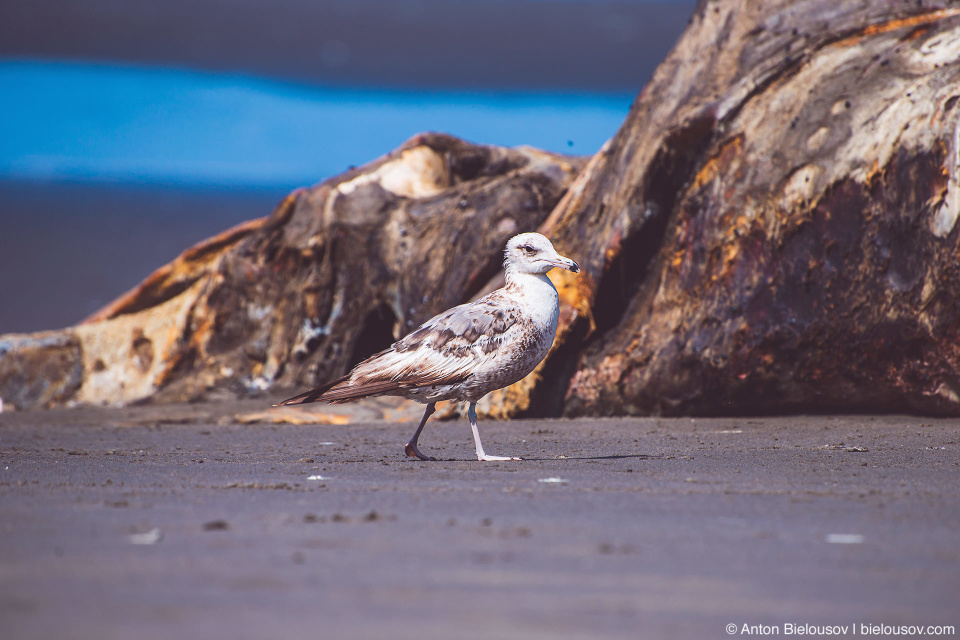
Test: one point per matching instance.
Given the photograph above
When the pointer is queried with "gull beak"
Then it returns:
(565, 263)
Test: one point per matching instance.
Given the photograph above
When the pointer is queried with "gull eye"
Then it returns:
(527, 249)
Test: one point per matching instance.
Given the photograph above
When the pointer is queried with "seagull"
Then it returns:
(468, 351)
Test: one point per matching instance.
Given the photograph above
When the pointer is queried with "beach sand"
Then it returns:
(159, 522)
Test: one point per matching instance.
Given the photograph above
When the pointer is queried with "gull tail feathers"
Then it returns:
(341, 390)
(313, 395)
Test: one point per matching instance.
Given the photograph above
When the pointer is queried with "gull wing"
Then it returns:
(444, 350)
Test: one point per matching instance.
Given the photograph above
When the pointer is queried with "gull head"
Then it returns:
(533, 253)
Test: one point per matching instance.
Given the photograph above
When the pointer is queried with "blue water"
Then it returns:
(73, 121)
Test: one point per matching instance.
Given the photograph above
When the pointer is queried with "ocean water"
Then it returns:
(70, 121)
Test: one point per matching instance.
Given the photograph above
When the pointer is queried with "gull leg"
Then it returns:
(481, 456)
(411, 448)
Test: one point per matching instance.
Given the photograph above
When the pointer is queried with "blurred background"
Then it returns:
(131, 129)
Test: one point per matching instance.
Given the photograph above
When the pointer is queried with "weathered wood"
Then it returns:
(337, 272)
(773, 227)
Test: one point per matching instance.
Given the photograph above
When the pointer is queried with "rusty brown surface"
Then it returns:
(773, 226)
(40, 370)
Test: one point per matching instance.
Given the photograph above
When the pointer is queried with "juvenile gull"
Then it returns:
(470, 350)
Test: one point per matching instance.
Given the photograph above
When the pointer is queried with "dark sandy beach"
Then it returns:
(670, 528)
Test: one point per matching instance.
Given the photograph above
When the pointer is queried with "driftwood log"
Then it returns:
(772, 229)
(337, 272)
